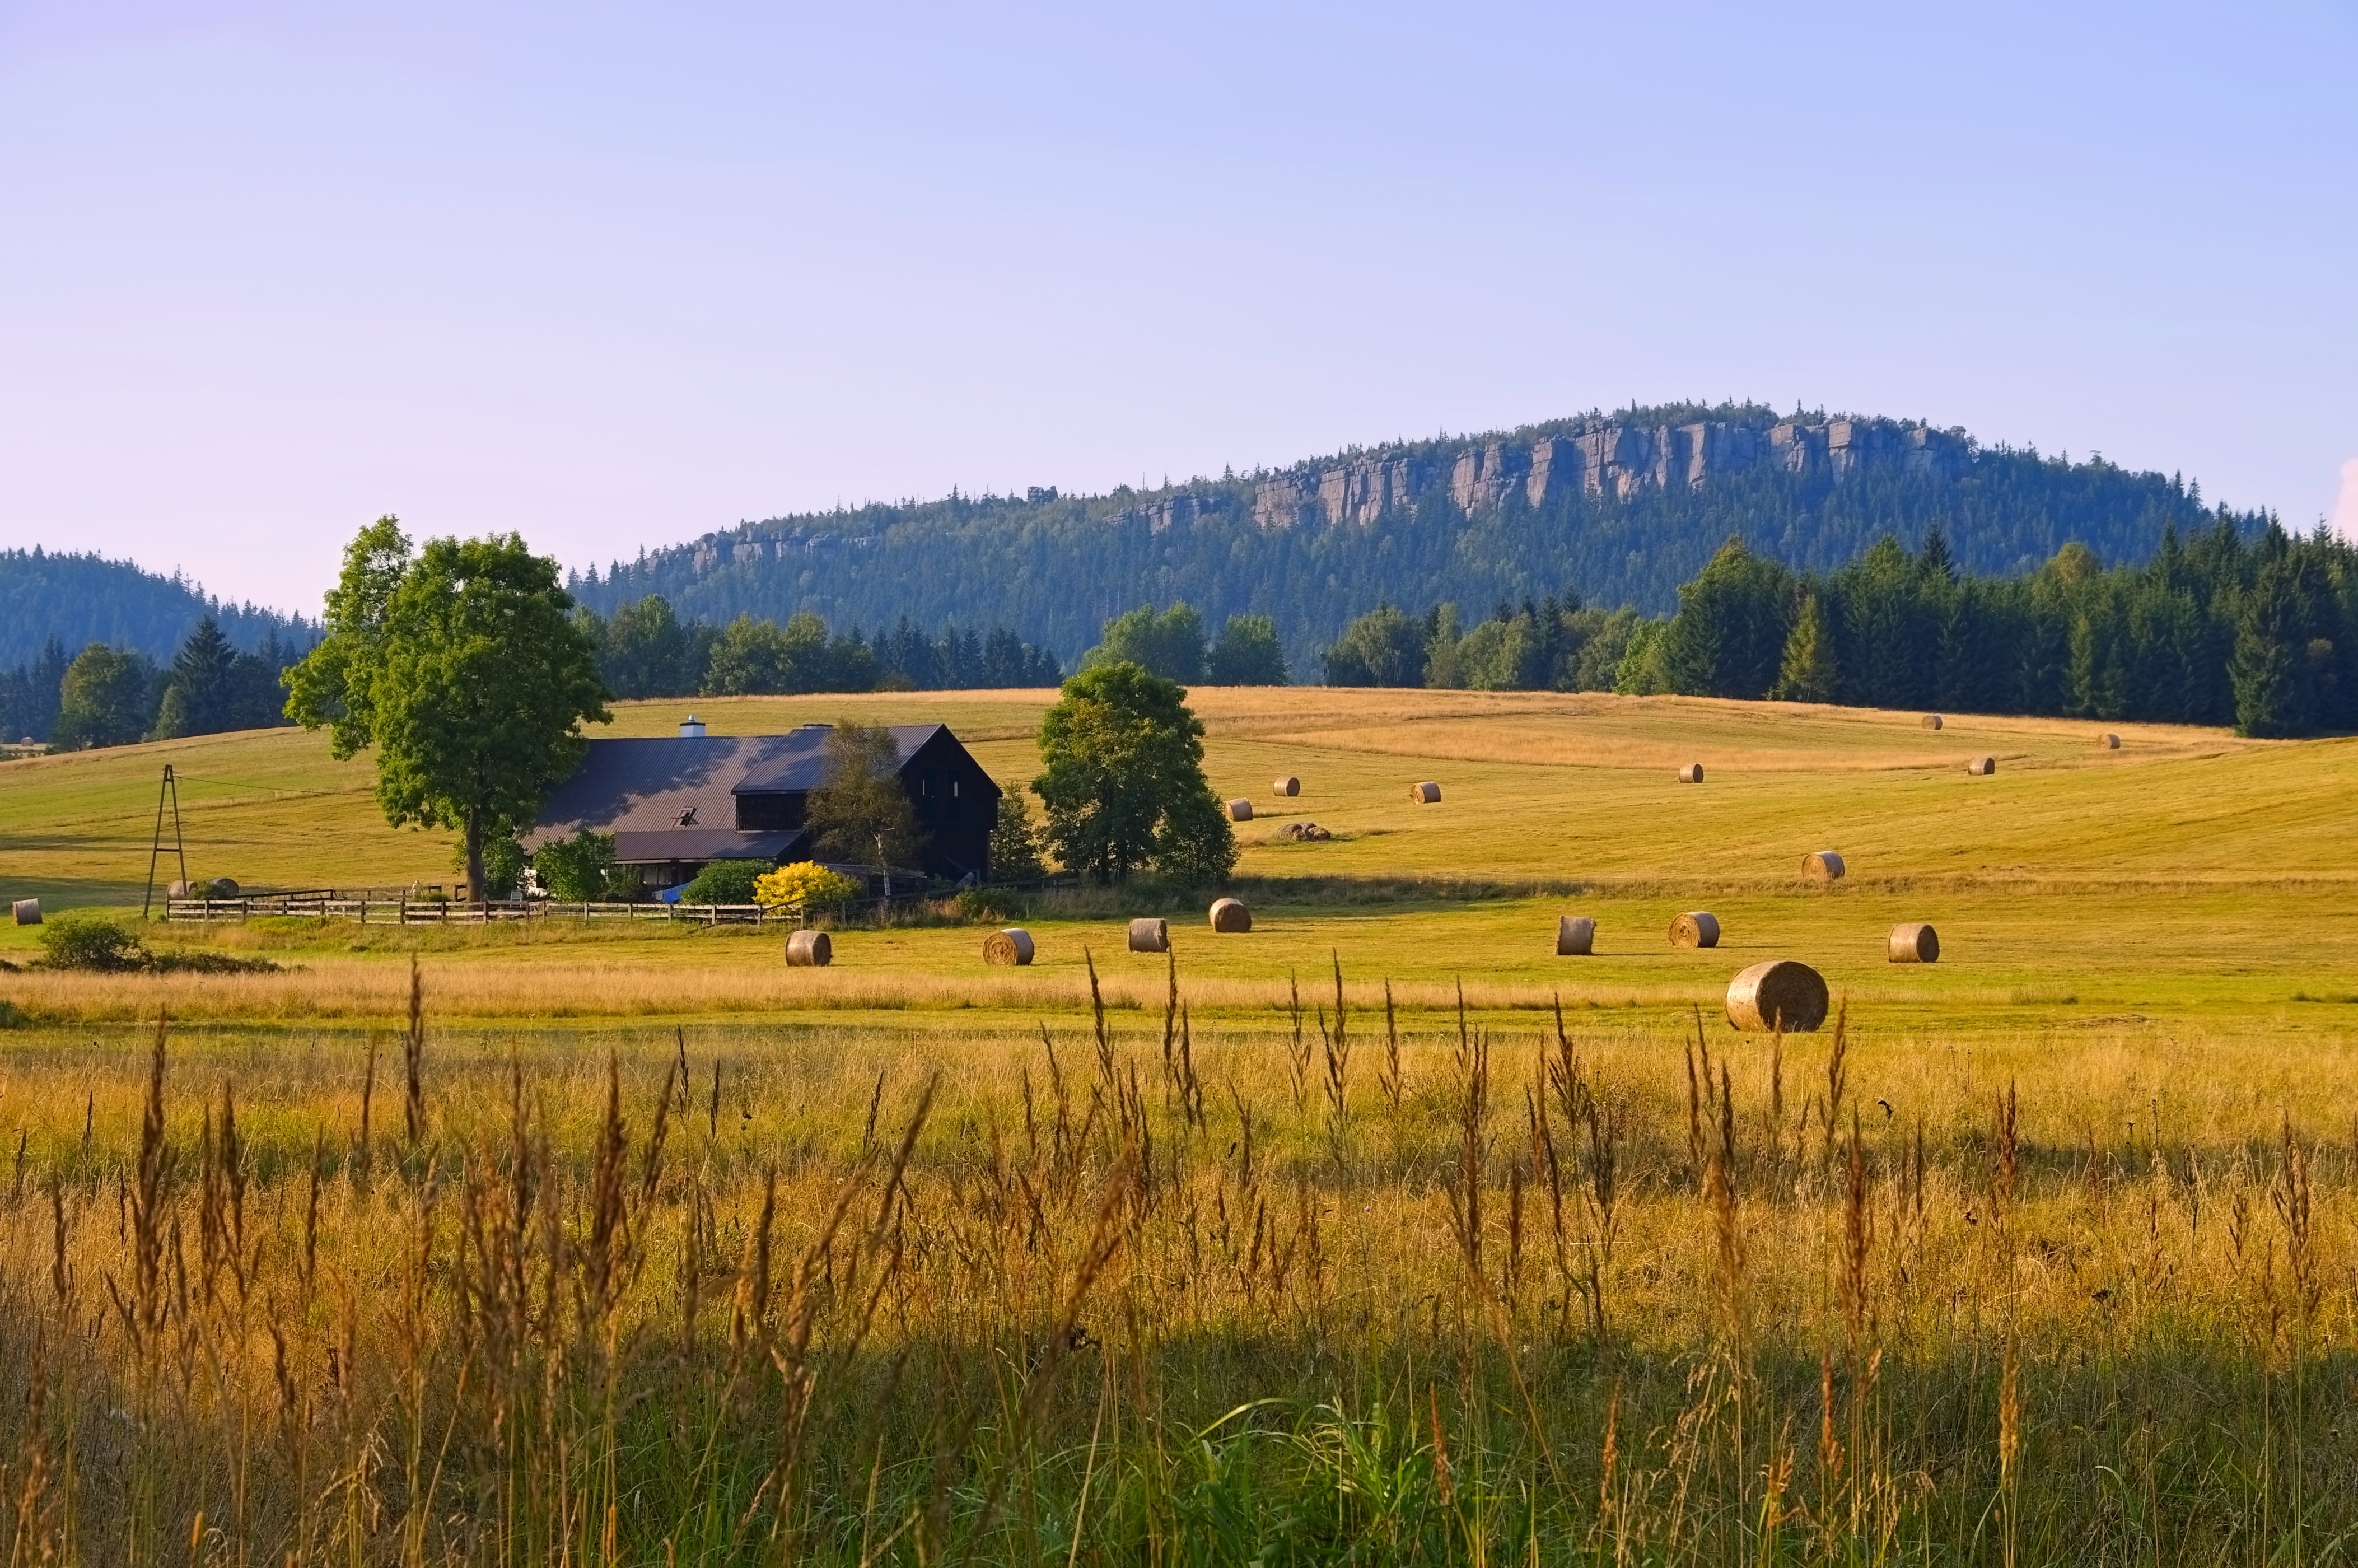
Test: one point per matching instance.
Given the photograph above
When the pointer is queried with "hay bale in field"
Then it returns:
(27, 911)
(1241, 810)
(1011, 946)
(1695, 928)
(1150, 936)
(1982, 767)
(1287, 787)
(1576, 936)
(1778, 994)
(1690, 773)
(223, 887)
(809, 950)
(1425, 794)
(1230, 916)
(185, 890)
(1913, 942)
(2108, 742)
(1823, 867)
(1931, 721)
(1303, 833)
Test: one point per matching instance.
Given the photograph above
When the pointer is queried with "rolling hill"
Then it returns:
(83, 598)
(1616, 509)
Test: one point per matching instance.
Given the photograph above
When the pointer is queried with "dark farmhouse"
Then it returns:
(675, 804)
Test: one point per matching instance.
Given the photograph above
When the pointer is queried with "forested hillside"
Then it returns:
(77, 600)
(1615, 510)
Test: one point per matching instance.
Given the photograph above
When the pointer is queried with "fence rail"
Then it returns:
(400, 910)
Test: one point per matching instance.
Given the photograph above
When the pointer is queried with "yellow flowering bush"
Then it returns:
(808, 884)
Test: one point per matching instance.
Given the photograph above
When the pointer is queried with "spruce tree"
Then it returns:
(1808, 673)
(2263, 669)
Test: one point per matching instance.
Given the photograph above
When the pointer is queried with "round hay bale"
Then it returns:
(1695, 928)
(1576, 936)
(809, 950)
(1241, 810)
(1011, 946)
(1822, 867)
(27, 911)
(1778, 994)
(1425, 794)
(2108, 742)
(224, 887)
(1287, 787)
(185, 890)
(1982, 767)
(1913, 942)
(1690, 773)
(1931, 721)
(1150, 936)
(1230, 916)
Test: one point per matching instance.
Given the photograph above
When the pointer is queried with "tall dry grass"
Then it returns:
(1355, 1281)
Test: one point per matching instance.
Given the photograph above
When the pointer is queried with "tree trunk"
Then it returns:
(474, 855)
(886, 867)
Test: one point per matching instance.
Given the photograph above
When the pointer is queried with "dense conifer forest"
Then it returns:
(2262, 634)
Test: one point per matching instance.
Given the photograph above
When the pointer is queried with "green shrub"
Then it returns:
(726, 881)
(96, 943)
(579, 869)
(201, 963)
(993, 905)
(92, 942)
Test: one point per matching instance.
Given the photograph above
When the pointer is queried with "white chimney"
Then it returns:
(691, 728)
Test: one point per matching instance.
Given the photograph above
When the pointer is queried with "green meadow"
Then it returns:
(1377, 1234)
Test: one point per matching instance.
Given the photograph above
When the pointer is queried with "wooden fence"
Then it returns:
(404, 910)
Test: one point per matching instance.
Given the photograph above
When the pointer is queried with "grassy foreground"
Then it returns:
(637, 1248)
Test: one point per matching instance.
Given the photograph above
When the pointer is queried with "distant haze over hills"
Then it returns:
(1615, 508)
(80, 600)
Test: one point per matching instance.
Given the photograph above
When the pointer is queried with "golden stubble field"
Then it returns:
(639, 1248)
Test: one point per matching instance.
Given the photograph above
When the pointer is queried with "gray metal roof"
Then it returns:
(688, 845)
(673, 798)
(799, 763)
(647, 785)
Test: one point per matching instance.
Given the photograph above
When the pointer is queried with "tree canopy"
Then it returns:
(1247, 653)
(103, 699)
(1169, 644)
(860, 812)
(463, 669)
(1123, 781)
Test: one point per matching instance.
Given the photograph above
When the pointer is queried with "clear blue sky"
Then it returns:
(615, 275)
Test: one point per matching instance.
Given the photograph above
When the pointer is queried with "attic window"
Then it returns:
(686, 818)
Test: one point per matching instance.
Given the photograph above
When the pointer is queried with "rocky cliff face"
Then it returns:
(1607, 458)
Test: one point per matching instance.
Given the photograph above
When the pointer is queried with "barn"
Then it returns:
(675, 804)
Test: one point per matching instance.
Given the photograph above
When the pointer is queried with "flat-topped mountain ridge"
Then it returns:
(1609, 508)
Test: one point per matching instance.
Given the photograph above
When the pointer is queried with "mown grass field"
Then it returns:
(1172, 1287)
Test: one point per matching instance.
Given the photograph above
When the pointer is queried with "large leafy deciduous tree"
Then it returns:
(103, 699)
(1384, 647)
(1124, 783)
(1247, 653)
(1170, 645)
(861, 808)
(464, 671)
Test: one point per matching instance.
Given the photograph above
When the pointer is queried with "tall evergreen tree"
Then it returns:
(1808, 673)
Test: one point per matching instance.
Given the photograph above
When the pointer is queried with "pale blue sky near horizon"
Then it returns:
(615, 275)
